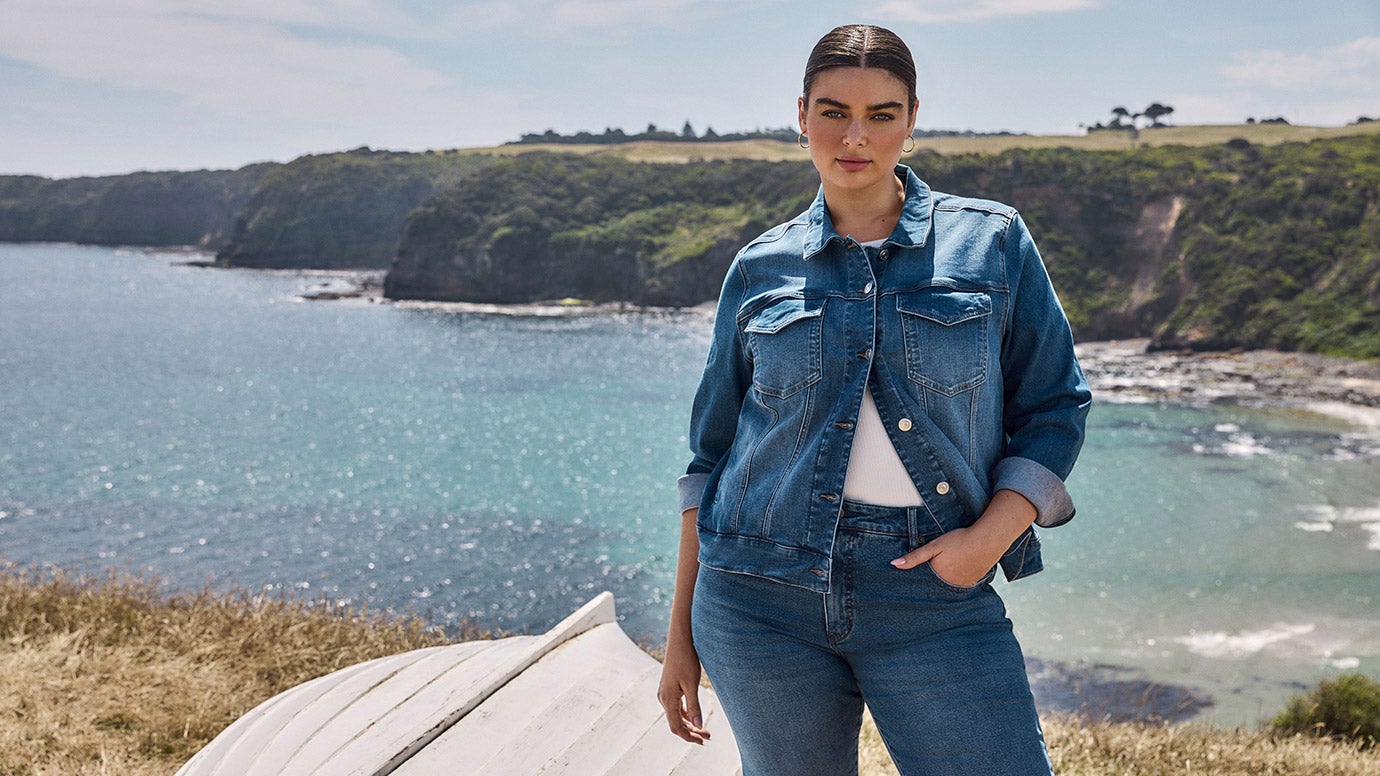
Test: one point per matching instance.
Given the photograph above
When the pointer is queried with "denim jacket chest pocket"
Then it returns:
(783, 340)
(946, 336)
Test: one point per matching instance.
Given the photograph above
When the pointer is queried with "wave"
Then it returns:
(1326, 517)
(1220, 644)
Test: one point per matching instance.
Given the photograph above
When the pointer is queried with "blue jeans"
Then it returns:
(935, 663)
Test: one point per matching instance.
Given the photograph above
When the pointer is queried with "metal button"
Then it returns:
(867, 289)
(866, 354)
(942, 488)
(904, 424)
(882, 255)
(843, 424)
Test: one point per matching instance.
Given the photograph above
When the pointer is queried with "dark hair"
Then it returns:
(862, 45)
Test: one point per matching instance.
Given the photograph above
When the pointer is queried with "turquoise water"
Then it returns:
(209, 426)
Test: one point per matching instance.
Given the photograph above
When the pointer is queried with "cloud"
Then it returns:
(1353, 66)
(557, 18)
(617, 13)
(941, 12)
(246, 62)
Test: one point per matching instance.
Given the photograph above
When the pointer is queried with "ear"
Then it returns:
(914, 113)
(800, 116)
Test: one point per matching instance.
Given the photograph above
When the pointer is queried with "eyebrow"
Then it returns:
(880, 106)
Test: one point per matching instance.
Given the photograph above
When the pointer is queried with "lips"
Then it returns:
(852, 164)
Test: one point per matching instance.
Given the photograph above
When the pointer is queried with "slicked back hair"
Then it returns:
(862, 45)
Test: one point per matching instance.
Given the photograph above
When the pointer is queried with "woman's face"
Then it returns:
(857, 119)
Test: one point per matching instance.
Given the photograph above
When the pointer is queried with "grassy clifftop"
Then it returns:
(1107, 140)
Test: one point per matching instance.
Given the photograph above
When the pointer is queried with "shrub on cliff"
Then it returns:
(1347, 707)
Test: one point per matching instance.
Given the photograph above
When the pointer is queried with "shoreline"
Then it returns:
(1119, 371)
(1123, 371)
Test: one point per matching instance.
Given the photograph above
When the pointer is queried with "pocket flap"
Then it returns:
(945, 306)
(782, 314)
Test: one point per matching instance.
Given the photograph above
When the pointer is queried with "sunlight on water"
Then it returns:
(209, 426)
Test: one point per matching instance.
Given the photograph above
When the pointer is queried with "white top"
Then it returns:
(875, 473)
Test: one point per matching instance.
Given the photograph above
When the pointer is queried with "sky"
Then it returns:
(94, 87)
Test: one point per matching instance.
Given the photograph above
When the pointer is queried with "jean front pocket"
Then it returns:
(960, 589)
(945, 338)
(784, 340)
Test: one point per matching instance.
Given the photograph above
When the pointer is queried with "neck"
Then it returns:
(866, 214)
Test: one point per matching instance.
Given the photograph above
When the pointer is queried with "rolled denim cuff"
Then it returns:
(691, 487)
(1041, 486)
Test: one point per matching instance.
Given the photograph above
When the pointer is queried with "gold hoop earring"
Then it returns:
(905, 150)
(802, 141)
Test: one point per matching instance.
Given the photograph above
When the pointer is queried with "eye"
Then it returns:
(884, 117)
(832, 114)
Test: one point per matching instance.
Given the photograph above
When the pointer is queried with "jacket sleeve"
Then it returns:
(719, 399)
(1046, 395)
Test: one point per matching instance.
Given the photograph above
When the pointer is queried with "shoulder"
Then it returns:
(784, 238)
(974, 215)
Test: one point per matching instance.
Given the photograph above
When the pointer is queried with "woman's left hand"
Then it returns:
(959, 557)
(963, 556)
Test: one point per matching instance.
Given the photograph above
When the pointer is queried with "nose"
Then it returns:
(854, 136)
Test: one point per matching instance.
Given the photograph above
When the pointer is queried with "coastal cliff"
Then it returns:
(337, 211)
(1209, 247)
(545, 226)
(143, 208)
(1214, 247)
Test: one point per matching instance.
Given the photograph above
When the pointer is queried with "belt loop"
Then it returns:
(912, 527)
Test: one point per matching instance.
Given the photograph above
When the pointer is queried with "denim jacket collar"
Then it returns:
(912, 228)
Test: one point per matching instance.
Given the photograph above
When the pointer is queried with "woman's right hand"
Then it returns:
(679, 692)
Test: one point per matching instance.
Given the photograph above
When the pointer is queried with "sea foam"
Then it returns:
(1327, 517)
(1243, 644)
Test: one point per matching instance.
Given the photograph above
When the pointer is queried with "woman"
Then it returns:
(891, 399)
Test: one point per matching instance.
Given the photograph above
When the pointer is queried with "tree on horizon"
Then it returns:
(1155, 112)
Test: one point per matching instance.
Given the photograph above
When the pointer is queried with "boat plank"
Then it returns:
(360, 726)
(246, 741)
(529, 723)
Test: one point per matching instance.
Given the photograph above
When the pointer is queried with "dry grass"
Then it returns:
(108, 675)
(1081, 748)
(771, 150)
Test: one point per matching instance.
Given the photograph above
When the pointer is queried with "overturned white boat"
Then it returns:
(578, 699)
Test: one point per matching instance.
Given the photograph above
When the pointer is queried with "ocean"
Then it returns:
(209, 427)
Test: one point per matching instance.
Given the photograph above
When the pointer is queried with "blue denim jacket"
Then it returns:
(953, 321)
